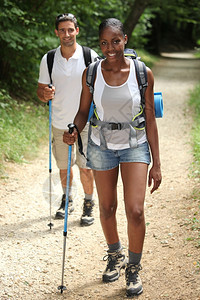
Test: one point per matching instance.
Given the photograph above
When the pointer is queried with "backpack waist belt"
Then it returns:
(134, 126)
(118, 126)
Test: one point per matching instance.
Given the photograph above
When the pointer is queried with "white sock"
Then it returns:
(70, 190)
(88, 196)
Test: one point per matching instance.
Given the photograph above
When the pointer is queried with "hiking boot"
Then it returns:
(60, 214)
(70, 205)
(115, 262)
(87, 219)
(133, 281)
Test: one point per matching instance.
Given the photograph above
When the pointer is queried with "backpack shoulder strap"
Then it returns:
(91, 75)
(87, 55)
(141, 73)
(50, 59)
(51, 54)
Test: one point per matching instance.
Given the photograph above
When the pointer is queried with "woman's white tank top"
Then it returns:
(117, 104)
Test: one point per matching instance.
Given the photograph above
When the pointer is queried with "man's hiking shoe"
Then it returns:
(133, 281)
(87, 219)
(70, 205)
(60, 214)
(115, 262)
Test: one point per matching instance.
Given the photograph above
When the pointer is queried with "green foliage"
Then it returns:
(22, 126)
(179, 20)
(140, 35)
(195, 103)
(27, 31)
(194, 225)
(17, 46)
(197, 54)
(147, 58)
(194, 220)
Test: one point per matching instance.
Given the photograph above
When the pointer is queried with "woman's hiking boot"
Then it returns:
(87, 218)
(115, 262)
(60, 213)
(133, 281)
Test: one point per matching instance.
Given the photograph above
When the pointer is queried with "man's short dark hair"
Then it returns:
(66, 17)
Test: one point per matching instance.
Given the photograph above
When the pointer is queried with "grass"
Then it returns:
(148, 59)
(194, 226)
(23, 125)
(195, 104)
(197, 54)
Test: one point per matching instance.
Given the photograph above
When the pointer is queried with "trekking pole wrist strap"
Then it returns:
(80, 144)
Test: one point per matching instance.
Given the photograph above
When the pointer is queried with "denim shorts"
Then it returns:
(102, 160)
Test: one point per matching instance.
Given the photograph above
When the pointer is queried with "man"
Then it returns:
(67, 70)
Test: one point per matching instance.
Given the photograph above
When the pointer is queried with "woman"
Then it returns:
(118, 102)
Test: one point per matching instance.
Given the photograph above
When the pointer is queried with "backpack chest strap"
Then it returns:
(117, 126)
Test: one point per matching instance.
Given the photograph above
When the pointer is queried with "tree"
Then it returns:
(136, 9)
(27, 30)
(176, 24)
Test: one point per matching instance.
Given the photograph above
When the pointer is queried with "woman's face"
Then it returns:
(112, 43)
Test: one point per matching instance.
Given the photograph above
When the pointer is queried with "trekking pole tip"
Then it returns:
(62, 288)
(50, 225)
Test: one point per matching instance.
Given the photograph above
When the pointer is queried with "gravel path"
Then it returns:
(31, 254)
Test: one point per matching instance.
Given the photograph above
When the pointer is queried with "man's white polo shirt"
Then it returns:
(67, 79)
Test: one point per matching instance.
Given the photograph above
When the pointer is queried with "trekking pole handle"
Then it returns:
(71, 127)
(50, 86)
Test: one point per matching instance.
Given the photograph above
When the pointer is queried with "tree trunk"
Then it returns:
(136, 10)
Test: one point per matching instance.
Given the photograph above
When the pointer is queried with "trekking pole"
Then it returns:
(50, 170)
(62, 287)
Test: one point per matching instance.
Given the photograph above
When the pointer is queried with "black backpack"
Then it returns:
(51, 54)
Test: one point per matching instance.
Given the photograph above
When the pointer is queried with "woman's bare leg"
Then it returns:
(106, 183)
(134, 177)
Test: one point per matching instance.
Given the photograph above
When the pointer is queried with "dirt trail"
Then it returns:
(31, 254)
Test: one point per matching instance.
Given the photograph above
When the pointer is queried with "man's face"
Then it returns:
(67, 33)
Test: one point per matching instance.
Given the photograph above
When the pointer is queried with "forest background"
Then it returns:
(27, 33)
